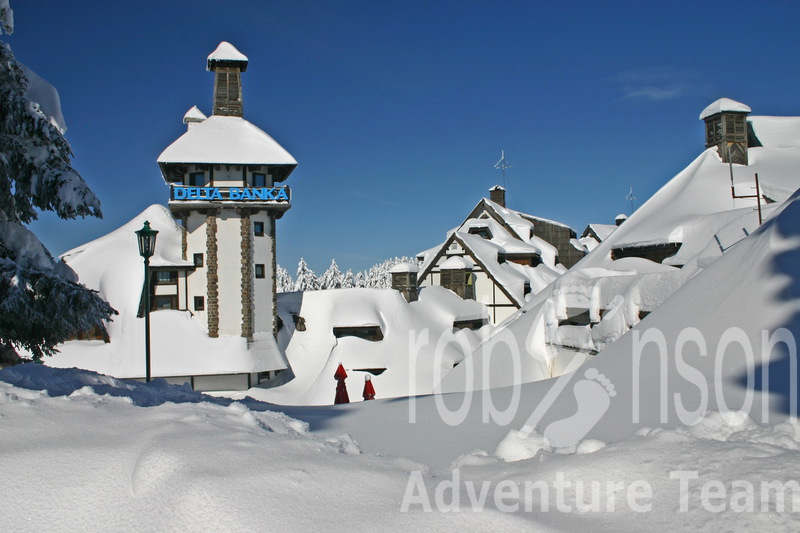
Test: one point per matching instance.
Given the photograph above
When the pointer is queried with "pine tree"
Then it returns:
(41, 304)
(359, 282)
(305, 280)
(348, 282)
(332, 278)
(283, 280)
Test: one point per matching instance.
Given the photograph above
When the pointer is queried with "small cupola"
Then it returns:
(193, 116)
(726, 128)
(497, 194)
(227, 63)
(404, 279)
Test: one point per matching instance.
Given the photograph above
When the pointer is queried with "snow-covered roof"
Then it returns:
(314, 353)
(457, 263)
(602, 231)
(724, 105)
(226, 140)
(194, 115)
(404, 267)
(226, 52)
(680, 212)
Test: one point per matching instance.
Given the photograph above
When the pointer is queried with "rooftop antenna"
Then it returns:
(631, 198)
(503, 165)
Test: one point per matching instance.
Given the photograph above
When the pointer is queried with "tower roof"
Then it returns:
(227, 53)
(226, 140)
(724, 105)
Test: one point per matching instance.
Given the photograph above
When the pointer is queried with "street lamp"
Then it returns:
(147, 246)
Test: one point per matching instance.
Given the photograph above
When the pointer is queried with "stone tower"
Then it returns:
(224, 175)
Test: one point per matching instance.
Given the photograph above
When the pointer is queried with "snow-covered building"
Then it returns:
(213, 286)
(704, 212)
(499, 256)
(594, 234)
(223, 175)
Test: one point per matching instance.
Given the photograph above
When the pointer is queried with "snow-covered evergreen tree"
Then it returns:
(348, 282)
(283, 280)
(305, 280)
(332, 278)
(359, 282)
(41, 304)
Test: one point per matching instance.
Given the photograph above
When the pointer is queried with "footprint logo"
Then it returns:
(593, 395)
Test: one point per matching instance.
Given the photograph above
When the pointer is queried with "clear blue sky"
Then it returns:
(397, 111)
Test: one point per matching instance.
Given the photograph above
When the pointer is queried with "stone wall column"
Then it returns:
(274, 277)
(184, 232)
(247, 277)
(212, 274)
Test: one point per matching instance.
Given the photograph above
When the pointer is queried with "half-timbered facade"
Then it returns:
(499, 257)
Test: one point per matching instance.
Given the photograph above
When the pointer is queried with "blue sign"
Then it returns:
(236, 194)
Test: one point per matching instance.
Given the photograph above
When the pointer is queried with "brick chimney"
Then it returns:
(227, 64)
(497, 194)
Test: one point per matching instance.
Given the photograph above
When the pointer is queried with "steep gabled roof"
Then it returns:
(480, 257)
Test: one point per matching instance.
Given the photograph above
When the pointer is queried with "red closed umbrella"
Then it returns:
(369, 390)
(341, 388)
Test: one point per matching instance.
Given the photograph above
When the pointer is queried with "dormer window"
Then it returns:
(481, 231)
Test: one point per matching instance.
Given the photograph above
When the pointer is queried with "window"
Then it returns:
(260, 271)
(472, 324)
(197, 179)
(259, 180)
(481, 231)
(161, 302)
(258, 229)
(198, 260)
(460, 282)
(166, 277)
(199, 303)
(370, 333)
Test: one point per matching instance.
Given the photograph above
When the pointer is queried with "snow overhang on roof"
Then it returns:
(401, 268)
(724, 105)
(227, 53)
(194, 115)
(220, 140)
(457, 263)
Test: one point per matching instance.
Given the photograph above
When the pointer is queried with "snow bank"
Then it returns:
(402, 363)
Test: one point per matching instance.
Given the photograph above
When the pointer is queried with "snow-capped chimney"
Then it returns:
(227, 64)
(622, 217)
(404, 279)
(726, 128)
(193, 116)
(497, 194)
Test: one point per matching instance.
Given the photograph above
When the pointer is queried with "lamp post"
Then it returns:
(147, 246)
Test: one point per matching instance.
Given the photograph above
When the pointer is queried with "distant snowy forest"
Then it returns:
(377, 277)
